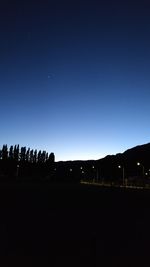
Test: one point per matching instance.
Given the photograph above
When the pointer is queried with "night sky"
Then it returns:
(75, 76)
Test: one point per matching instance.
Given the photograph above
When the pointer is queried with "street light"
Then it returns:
(17, 172)
(122, 167)
(143, 169)
(93, 173)
(82, 173)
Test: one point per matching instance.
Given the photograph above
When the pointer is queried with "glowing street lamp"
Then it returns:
(143, 169)
(82, 172)
(122, 167)
(93, 173)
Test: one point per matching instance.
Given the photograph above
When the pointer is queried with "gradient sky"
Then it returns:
(75, 76)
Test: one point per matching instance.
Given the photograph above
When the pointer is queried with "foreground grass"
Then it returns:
(74, 225)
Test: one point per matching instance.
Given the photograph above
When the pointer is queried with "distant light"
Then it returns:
(119, 166)
(146, 173)
(93, 167)
(82, 171)
(138, 163)
(70, 170)
(81, 168)
(17, 166)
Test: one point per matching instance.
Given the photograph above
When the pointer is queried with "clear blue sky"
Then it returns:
(75, 76)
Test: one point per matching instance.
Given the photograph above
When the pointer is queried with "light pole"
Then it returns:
(93, 173)
(143, 169)
(17, 172)
(122, 167)
(82, 173)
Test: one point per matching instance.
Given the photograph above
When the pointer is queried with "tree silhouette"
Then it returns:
(4, 152)
(16, 152)
(43, 156)
(28, 154)
(46, 158)
(51, 157)
(39, 156)
(23, 154)
(35, 156)
(31, 156)
(11, 153)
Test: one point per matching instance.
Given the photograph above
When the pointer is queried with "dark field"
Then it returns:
(74, 225)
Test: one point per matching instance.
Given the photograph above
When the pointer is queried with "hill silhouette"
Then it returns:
(106, 169)
(134, 161)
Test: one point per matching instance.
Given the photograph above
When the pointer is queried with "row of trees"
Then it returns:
(23, 154)
(25, 164)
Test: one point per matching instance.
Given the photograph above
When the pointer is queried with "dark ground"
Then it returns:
(72, 225)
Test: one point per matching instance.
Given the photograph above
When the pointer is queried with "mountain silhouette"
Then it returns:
(135, 162)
